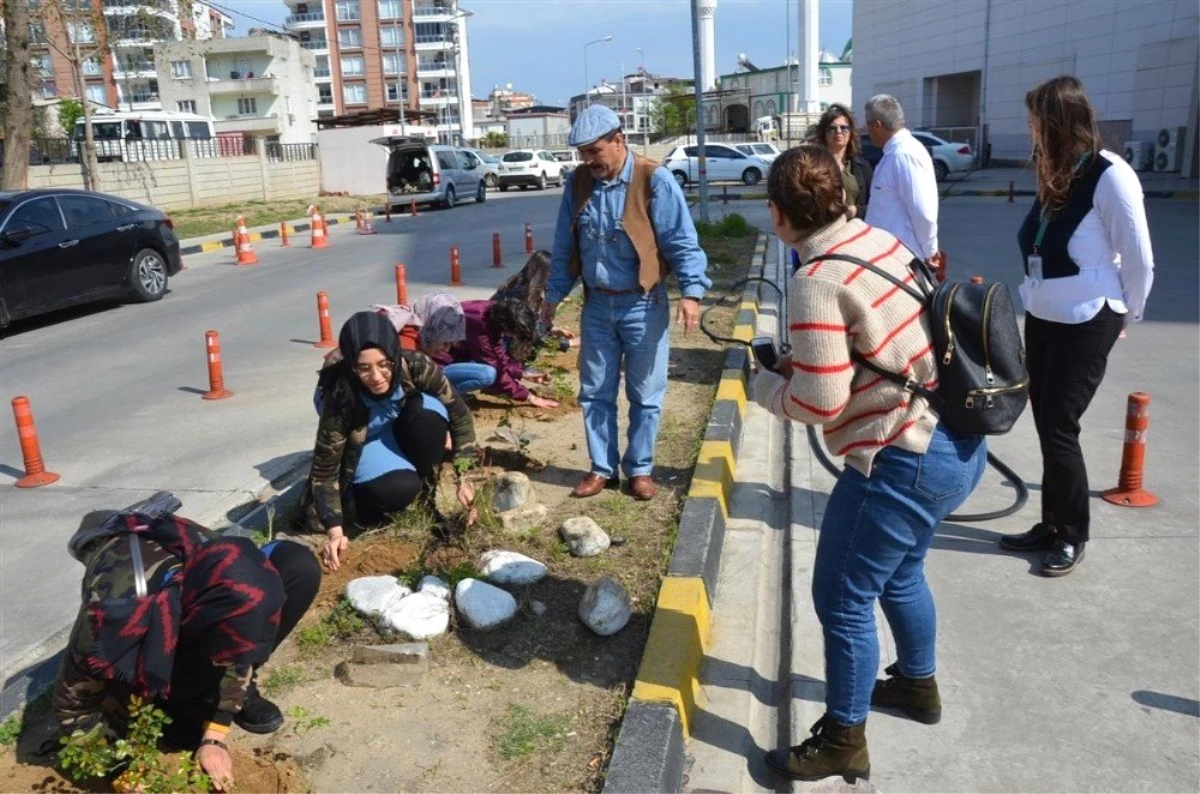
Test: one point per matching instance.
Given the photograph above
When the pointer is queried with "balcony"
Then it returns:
(432, 13)
(322, 71)
(131, 71)
(316, 44)
(433, 43)
(313, 19)
(244, 85)
(325, 100)
(438, 98)
(251, 122)
(434, 68)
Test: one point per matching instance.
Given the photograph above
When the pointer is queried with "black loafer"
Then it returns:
(1040, 537)
(258, 715)
(1063, 558)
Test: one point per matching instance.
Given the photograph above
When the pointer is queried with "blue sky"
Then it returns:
(537, 45)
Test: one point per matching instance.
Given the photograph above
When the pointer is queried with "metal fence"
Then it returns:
(56, 151)
(287, 152)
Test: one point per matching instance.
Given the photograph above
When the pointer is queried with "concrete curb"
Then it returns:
(648, 755)
(193, 246)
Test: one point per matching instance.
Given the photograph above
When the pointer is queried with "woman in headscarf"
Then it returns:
(173, 613)
(444, 325)
(528, 286)
(384, 418)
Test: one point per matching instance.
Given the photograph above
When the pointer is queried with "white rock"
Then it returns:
(434, 585)
(374, 595)
(509, 567)
(483, 606)
(523, 519)
(419, 616)
(583, 536)
(605, 607)
(510, 490)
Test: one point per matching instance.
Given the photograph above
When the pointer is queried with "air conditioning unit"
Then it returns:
(1168, 150)
(1139, 155)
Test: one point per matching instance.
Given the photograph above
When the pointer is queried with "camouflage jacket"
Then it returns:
(342, 431)
(81, 700)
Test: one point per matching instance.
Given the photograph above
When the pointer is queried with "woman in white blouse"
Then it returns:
(1088, 270)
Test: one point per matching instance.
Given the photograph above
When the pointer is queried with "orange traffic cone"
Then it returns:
(245, 251)
(320, 239)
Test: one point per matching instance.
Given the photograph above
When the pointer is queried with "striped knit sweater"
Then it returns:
(835, 308)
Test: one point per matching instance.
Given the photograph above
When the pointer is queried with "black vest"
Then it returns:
(1056, 263)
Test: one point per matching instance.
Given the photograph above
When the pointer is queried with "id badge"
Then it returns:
(1034, 266)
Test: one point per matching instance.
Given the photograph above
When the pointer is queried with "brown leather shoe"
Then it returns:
(593, 484)
(642, 488)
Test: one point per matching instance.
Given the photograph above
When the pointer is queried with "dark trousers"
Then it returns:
(421, 436)
(195, 682)
(1066, 364)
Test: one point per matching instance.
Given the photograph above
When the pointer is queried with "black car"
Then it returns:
(60, 248)
(870, 152)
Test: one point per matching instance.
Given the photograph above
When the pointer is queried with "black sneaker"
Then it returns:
(258, 715)
(1039, 538)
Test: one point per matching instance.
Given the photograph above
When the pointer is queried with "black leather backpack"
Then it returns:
(983, 384)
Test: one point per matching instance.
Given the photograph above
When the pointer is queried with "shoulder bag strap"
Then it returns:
(917, 295)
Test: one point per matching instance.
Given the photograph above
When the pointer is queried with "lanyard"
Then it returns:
(1046, 215)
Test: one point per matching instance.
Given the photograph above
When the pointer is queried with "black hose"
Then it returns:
(732, 290)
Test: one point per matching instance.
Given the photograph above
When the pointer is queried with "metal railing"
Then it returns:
(321, 71)
(438, 95)
(433, 38)
(289, 152)
(315, 44)
(434, 65)
(431, 11)
(312, 16)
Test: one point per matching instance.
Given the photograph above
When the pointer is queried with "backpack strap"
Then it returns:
(908, 384)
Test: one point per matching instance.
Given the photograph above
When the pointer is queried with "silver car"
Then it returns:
(490, 166)
(431, 173)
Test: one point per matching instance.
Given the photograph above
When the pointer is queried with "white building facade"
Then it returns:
(965, 65)
(745, 96)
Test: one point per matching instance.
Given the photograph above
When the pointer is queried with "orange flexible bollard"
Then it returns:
(401, 286)
(1129, 491)
(497, 257)
(31, 450)
(529, 238)
(455, 269)
(412, 207)
(216, 378)
(284, 242)
(323, 318)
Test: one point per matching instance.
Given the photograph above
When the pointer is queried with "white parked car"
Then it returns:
(766, 151)
(947, 157)
(724, 163)
(529, 167)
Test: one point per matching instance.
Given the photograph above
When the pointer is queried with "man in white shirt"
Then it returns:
(904, 192)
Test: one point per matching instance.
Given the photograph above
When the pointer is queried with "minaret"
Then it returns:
(708, 43)
(809, 54)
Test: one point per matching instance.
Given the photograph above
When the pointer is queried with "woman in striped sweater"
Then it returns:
(904, 471)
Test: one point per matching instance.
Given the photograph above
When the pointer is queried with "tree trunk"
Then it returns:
(18, 118)
(88, 163)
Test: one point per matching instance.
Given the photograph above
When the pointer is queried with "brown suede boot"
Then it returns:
(833, 749)
(916, 698)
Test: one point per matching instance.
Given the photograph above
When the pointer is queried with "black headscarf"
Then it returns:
(364, 330)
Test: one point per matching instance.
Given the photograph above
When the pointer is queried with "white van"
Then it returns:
(148, 135)
(431, 173)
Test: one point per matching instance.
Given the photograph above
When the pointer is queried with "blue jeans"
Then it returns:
(873, 541)
(469, 376)
(633, 328)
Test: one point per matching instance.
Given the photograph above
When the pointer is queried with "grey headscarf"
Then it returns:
(442, 320)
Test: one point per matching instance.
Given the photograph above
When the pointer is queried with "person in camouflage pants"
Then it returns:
(385, 414)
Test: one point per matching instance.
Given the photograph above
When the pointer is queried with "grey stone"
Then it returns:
(409, 653)
(511, 490)
(538, 608)
(583, 536)
(378, 676)
(524, 518)
(420, 616)
(432, 584)
(374, 595)
(509, 567)
(605, 606)
(483, 606)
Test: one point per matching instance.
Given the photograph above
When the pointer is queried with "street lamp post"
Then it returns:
(462, 132)
(587, 83)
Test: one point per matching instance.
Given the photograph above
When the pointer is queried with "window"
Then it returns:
(37, 33)
(447, 161)
(186, 106)
(350, 38)
(325, 94)
(347, 10)
(38, 216)
(393, 63)
(395, 90)
(247, 106)
(198, 130)
(41, 65)
(49, 89)
(389, 9)
(91, 66)
(119, 210)
(181, 69)
(391, 36)
(82, 211)
(354, 94)
(97, 94)
(825, 76)
(352, 66)
(81, 32)
(430, 32)
(177, 130)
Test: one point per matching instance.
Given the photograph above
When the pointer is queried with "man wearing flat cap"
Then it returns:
(622, 227)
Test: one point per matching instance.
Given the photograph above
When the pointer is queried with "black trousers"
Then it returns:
(421, 436)
(1066, 364)
(195, 682)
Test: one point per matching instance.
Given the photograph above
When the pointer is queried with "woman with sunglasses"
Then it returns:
(837, 132)
(381, 436)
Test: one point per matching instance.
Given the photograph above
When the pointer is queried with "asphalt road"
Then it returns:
(115, 388)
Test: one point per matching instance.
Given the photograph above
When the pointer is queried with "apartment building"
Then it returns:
(116, 38)
(632, 99)
(259, 85)
(399, 54)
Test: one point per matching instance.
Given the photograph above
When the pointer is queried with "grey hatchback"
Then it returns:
(431, 173)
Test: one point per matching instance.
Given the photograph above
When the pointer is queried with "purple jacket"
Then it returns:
(483, 348)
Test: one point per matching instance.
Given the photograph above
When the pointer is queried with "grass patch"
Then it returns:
(342, 624)
(212, 220)
(10, 730)
(281, 679)
(732, 225)
(520, 732)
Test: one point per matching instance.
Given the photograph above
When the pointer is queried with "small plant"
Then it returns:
(10, 730)
(313, 639)
(520, 732)
(90, 755)
(301, 723)
(561, 388)
(343, 622)
(281, 679)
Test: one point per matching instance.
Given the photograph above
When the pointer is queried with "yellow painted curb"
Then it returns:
(733, 389)
(713, 476)
(209, 247)
(255, 237)
(675, 649)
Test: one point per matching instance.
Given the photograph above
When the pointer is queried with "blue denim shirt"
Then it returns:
(609, 258)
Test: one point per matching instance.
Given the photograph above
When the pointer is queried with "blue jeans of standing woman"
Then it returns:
(629, 328)
(873, 541)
